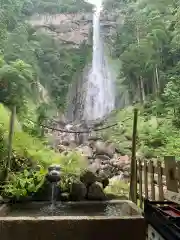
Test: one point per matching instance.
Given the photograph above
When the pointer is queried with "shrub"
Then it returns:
(24, 183)
(29, 152)
(117, 187)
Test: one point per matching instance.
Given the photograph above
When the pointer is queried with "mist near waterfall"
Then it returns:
(100, 93)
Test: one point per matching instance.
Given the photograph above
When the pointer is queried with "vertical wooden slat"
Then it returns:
(178, 172)
(146, 179)
(10, 137)
(170, 171)
(160, 183)
(140, 184)
(151, 171)
(133, 179)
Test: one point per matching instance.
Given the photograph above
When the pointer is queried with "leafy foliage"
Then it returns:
(73, 165)
(24, 183)
(35, 72)
(28, 153)
(118, 188)
(34, 64)
(146, 45)
(56, 6)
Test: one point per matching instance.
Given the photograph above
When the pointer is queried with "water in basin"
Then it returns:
(36, 209)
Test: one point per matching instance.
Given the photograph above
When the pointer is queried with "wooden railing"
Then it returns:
(153, 179)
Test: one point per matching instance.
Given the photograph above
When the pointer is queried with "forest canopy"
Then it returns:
(32, 61)
(146, 42)
(36, 70)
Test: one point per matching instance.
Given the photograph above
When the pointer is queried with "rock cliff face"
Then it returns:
(72, 29)
(76, 96)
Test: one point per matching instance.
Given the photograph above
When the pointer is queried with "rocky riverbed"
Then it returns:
(106, 165)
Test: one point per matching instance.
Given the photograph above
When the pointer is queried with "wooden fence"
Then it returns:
(153, 179)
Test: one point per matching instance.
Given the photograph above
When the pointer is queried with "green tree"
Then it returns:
(15, 79)
(146, 44)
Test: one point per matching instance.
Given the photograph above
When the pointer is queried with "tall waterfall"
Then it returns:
(100, 97)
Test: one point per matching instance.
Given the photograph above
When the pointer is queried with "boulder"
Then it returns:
(86, 151)
(103, 178)
(91, 144)
(126, 168)
(95, 192)
(108, 170)
(94, 167)
(104, 162)
(112, 161)
(115, 163)
(94, 138)
(82, 138)
(123, 161)
(91, 161)
(72, 144)
(104, 166)
(65, 142)
(102, 157)
(102, 148)
(78, 191)
(111, 149)
(88, 177)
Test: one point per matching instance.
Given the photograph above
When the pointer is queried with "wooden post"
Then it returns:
(133, 180)
(151, 171)
(160, 182)
(140, 184)
(178, 173)
(146, 179)
(11, 132)
(170, 171)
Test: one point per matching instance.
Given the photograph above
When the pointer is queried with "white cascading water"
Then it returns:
(100, 97)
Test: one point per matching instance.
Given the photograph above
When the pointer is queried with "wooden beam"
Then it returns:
(170, 170)
(133, 180)
(10, 137)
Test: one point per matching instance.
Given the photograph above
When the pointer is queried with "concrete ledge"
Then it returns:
(73, 227)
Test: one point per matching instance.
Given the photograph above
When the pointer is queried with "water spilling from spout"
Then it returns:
(100, 98)
(53, 176)
(53, 196)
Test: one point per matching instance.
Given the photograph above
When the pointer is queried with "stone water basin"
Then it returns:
(116, 219)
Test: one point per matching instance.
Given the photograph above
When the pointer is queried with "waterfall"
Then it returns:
(100, 94)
